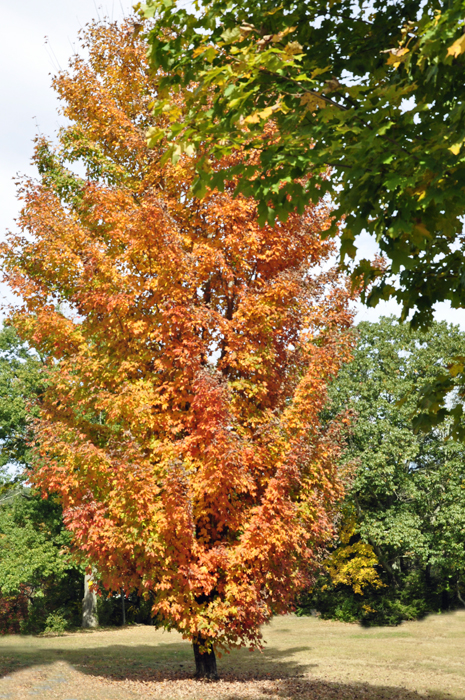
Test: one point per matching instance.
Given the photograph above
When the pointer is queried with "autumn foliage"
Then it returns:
(13, 612)
(189, 354)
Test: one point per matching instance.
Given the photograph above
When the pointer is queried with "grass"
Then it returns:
(304, 659)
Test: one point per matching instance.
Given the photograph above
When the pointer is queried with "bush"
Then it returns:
(56, 623)
(13, 613)
(412, 599)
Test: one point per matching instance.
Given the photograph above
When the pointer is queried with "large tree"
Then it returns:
(189, 353)
(366, 100)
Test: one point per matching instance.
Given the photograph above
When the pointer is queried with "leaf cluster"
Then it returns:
(372, 94)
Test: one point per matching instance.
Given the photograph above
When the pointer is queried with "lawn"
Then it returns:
(304, 658)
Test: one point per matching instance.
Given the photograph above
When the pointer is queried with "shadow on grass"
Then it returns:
(147, 662)
(174, 662)
(330, 690)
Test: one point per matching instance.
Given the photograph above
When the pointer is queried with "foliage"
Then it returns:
(408, 493)
(56, 623)
(371, 92)
(36, 574)
(189, 354)
(21, 382)
(137, 609)
(35, 563)
(31, 526)
(13, 613)
(354, 562)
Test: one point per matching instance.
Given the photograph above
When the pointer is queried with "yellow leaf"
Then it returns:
(189, 149)
(210, 53)
(455, 149)
(319, 71)
(457, 47)
(293, 48)
(395, 57)
(198, 51)
(281, 35)
(258, 116)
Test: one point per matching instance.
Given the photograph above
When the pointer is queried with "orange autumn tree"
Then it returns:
(189, 355)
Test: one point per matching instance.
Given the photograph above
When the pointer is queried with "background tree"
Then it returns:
(372, 92)
(20, 382)
(38, 581)
(40, 584)
(190, 350)
(407, 500)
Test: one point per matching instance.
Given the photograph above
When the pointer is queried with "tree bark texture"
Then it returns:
(205, 663)
(89, 605)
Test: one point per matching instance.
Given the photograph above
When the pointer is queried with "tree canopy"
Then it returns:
(367, 104)
(407, 498)
(189, 351)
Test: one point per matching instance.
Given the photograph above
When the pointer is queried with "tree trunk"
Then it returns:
(89, 604)
(459, 596)
(123, 608)
(205, 663)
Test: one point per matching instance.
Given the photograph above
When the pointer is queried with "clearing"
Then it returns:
(304, 659)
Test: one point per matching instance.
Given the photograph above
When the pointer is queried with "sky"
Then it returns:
(36, 39)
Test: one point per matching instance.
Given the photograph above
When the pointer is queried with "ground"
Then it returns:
(304, 659)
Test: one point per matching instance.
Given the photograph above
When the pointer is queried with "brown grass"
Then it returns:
(304, 659)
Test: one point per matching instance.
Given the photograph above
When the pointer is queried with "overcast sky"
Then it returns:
(28, 104)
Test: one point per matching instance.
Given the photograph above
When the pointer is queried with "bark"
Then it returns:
(89, 605)
(123, 607)
(205, 662)
(383, 561)
(459, 596)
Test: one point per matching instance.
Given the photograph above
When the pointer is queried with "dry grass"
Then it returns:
(305, 659)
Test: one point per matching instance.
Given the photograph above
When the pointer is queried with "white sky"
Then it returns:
(27, 61)
(29, 104)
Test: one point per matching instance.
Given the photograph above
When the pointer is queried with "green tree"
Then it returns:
(36, 564)
(407, 498)
(360, 100)
(20, 383)
(37, 576)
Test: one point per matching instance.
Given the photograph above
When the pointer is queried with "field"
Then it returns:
(304, 658)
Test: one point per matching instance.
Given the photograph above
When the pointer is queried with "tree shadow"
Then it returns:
(274, 673)
(305, 689)
(170, 660)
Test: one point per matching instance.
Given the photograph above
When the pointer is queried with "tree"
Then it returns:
(89, 602)
(20, 382)
(37, 577)
(189, 354)
(407, 499)
(370, 93)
